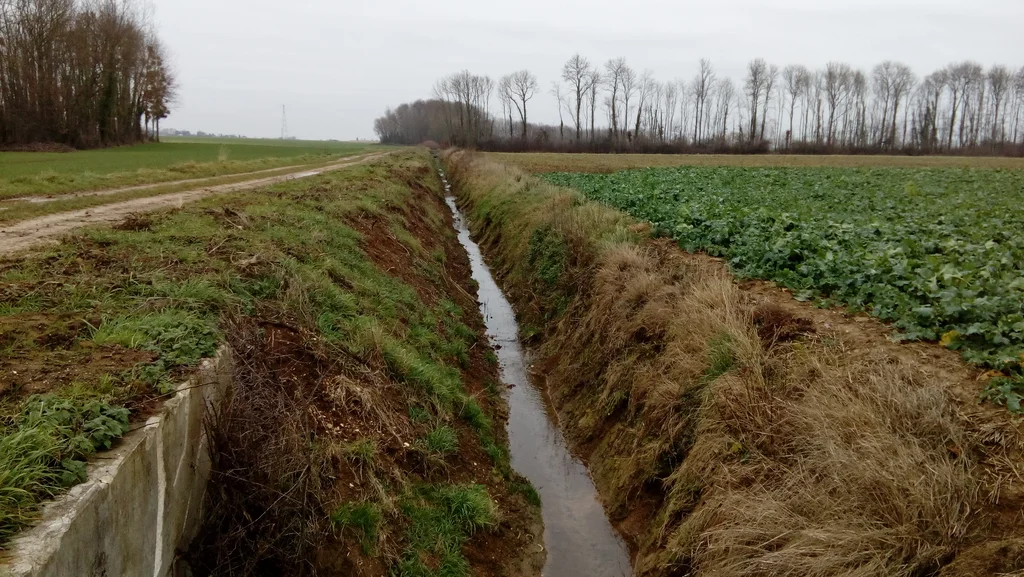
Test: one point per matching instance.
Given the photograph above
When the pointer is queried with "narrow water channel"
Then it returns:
(580, 540)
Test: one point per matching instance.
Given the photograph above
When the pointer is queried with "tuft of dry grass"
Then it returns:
(751, 443)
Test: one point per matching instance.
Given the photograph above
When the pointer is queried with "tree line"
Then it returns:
(81, 73)
(962, 108)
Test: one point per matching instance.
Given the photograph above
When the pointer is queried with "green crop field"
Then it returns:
(34, 173)
(938, 252)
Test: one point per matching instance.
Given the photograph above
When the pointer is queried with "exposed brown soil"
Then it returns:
(26, 234)
(47, 351)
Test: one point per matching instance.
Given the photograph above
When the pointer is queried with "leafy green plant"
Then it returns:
(44, 450)
(1005, 392)
(180, 339)
(932, 251)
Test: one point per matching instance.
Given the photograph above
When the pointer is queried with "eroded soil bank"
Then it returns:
(731, 430)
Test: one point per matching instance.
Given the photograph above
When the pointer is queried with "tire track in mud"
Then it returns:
(27, 234)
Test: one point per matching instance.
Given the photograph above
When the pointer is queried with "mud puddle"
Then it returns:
(580, 540)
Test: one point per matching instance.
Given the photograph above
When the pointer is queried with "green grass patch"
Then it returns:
(362, 452)
(441, 442)
(720, 357)
(363, 519)
(473, 414)
(525, 489)
(547, 255)
(441, 519)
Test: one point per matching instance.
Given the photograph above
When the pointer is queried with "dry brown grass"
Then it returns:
(803, 449)
(541, 162)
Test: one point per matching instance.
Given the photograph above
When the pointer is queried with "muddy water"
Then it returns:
(579, 539)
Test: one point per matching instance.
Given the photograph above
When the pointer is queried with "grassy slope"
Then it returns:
(564, 162)
(349, 287)
(731, 436)
(36, 173)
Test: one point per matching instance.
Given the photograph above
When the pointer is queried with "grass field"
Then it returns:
(42, 173)
(538, 163)
(24, 208)
(937, 251)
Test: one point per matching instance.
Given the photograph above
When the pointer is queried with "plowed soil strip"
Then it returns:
(30, 233)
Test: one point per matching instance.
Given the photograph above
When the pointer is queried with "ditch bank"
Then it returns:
(579, 540)
(363, 432)
(731, 430)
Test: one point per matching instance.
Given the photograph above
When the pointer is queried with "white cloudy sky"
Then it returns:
(338, 64)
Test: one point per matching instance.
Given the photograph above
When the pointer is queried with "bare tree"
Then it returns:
(80, 73)
(613, 84)
(577, 73)
(670, 99)
(593, 84)
(757, 79)
(469, 96)
(702, 85)
(159, 86)
(628, 81)
(960, 105)
(507, 99)
(795, 79)
(859, 97)
(959, 78)
(726, 92)
(999, 81)
(902, 85)
(771, 75)
(836, 83)
(645, 88)
(563, 105)
(1018, 94)
(523, 86)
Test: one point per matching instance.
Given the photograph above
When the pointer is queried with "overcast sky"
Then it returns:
(337, 65)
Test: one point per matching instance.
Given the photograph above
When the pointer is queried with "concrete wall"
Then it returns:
(142, 501)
